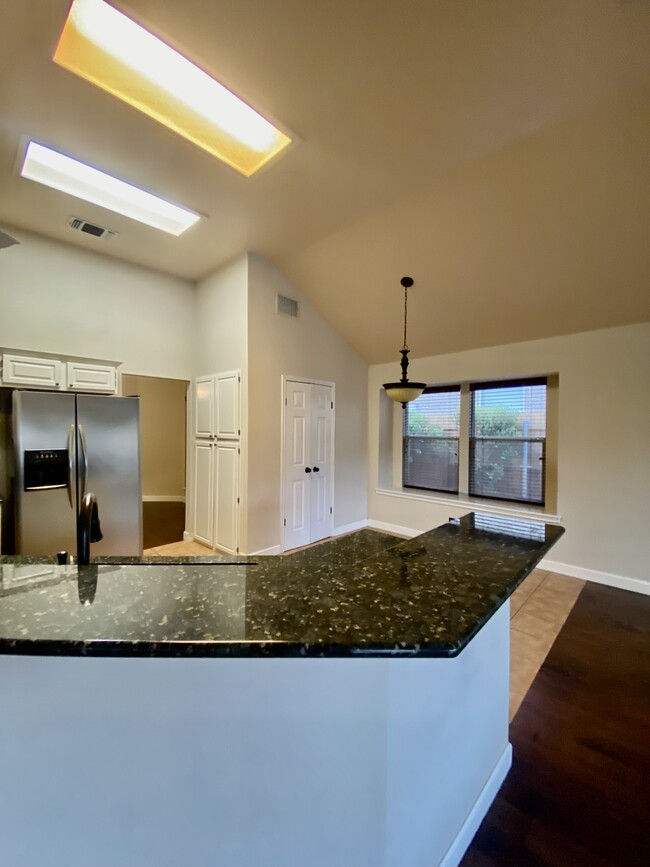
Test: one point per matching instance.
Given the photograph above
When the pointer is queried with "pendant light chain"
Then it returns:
(404, 391)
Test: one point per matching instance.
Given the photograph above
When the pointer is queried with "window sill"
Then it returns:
(474, 504)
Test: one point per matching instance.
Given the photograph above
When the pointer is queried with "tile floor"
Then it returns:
(538, 609)
(180, 549)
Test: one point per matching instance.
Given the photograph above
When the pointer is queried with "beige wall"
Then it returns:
(603, 446)
(58, 298)
(162, 434)
(306, 347)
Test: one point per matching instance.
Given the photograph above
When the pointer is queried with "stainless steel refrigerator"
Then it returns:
(67, 445)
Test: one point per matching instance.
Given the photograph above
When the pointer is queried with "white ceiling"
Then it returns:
(495, 150)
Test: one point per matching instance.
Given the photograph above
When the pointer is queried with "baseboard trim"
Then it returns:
(477, 813)
(162, 498)
(393, 528)
(267, 552)
(187, 537)
(622, 582)
(349, 528)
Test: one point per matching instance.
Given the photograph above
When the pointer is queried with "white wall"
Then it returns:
(220, 339)
(305, 347)
(61, 299)
(220, 343)
(603, 443)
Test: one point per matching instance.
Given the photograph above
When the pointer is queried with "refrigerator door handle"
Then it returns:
(84, 459)
(71, 465)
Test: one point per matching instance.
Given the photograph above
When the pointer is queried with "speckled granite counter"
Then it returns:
(367, 594)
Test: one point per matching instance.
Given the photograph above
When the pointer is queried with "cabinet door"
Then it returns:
(227, 389)
(226, 534)
(32, 372)
(203, 529)
(204, 406)
(92, 377)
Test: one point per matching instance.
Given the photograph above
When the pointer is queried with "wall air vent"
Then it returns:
(80, 225)
(287, 306)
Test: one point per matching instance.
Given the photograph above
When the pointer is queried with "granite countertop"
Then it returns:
(365, 594)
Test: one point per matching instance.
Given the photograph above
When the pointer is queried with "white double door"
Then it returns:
(308, 462)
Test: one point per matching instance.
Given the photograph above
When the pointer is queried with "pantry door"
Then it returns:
(308, 462)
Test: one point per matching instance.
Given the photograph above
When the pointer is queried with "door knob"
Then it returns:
(308, 469)
(317, 469)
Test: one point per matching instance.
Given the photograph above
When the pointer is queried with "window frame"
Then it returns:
(466, 441)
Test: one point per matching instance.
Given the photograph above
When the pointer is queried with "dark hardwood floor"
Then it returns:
(578, 792)
(162, 523)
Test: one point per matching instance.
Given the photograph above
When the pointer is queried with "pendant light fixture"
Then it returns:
(404, 391)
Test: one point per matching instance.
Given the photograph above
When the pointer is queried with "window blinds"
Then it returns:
(430, 440)
(507, 440)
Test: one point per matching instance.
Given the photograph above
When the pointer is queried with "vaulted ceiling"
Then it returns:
(495, 151)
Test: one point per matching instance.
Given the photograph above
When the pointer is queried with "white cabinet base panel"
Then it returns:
(251, 762)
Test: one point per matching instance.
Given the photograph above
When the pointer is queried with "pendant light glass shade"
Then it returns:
(404, 391)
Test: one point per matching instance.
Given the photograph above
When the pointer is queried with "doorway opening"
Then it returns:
(162, 456)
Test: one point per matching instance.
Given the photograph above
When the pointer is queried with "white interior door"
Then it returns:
(296, 465)
(320, 449)
(308, 470)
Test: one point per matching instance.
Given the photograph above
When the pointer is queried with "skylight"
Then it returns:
(68, 175)
(109, 49)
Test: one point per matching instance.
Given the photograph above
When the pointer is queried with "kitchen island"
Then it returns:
(342, 705)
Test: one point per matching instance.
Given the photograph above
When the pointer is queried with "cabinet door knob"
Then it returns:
(308, 469)
(317, 469)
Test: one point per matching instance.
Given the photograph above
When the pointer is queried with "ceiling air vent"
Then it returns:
(91, 229)
(287, 306)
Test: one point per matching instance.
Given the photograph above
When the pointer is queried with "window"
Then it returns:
(497, 428)
(430, 440)
(507, 435)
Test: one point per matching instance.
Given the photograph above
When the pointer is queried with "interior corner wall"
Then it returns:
(58, 298)
(603, 448)
(220, 343)
(309, 348)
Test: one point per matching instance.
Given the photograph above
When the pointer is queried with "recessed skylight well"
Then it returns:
(104, 46)
(61, 172)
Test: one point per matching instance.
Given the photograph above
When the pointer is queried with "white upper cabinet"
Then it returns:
(227, 391)
(204, 406)
(61, 374)
(32, 372)
(217, 405)
(91, 377)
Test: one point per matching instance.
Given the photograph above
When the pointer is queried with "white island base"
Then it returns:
(264, 762)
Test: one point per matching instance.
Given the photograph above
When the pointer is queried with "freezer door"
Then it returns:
(108, 444)
(44, 443)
